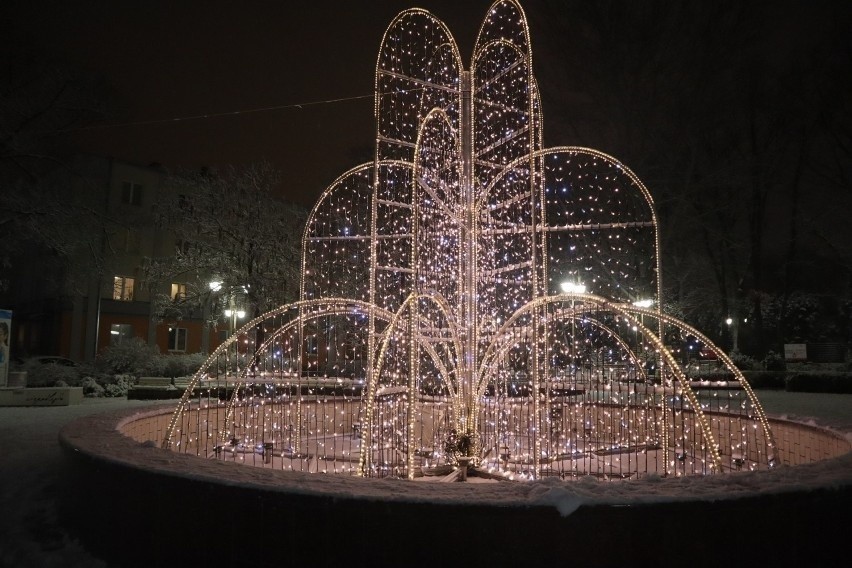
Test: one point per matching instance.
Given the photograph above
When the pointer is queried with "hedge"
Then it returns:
(812, 381)
(840, 383)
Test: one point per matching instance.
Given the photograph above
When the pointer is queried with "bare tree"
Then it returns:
(231, 228)
(43, 192)
(726, 110)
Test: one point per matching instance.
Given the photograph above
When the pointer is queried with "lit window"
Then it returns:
(178, 291)
(177, 339)
(131, 193)
(122, 288)
(120, 332)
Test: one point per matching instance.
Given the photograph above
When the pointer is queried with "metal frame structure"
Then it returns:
(434, 328)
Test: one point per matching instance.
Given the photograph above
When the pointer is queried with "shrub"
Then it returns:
(47, 375)
(135, 357)
(766, 379)
(743, 362)
(820, 382)
(182, 365)
(774, 362)
(119, 385)
(154, 367)
(91, 388)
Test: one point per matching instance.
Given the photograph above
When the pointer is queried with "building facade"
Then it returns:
(78, 309)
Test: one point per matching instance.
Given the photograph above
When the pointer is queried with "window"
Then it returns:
(177, 339)
(131, 193)
(184, 203)
(120, 332)
(122, 288)
(131, 241)
(178, 291)
(182, 247)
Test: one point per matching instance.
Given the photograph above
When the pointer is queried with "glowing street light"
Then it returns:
(240, 314)
(734, 331)
(573, 287)
(234, 315)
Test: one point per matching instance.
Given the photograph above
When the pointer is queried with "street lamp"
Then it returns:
(214, 286)
(573, 288)
(234, 315)
(733, 331)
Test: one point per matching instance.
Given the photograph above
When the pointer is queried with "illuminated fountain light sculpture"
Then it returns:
(471, 297)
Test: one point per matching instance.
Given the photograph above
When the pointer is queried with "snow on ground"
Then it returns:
(31, 468)
(831, 410)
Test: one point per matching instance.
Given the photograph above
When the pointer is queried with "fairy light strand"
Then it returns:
(434, 329)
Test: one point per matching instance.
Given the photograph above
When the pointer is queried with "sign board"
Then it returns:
(47, 396)
(795, 352)
(5, 335)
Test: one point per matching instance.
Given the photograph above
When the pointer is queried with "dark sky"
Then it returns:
(177, 59)
(168, 61)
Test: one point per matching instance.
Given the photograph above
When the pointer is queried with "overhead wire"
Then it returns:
(221, 114)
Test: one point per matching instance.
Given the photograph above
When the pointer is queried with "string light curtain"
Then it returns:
(473, 299)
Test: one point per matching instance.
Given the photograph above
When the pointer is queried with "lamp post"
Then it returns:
(573, 288)
(645, 303)
(214, 286)
(733, 331)
(231, 313)
(233, 316)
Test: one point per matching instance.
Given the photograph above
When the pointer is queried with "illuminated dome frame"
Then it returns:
(470, 298)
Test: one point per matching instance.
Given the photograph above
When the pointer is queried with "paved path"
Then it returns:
(30, 474)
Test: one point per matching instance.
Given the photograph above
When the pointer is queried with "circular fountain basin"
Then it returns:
(148, 505)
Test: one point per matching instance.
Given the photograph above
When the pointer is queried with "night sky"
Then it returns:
(244, 67)
(165, 60)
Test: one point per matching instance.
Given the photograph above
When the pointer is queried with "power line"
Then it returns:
(215, 114)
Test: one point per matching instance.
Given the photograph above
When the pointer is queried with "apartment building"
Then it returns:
(98, 304)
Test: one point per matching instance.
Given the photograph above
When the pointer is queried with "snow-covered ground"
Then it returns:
(31, 468)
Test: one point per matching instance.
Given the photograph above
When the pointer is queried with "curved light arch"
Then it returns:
(723, 357)
(339, 306)
(235, 337)
(380, 359)
(652, 337)
(485, 26)
(456, 230)
(438, 115)
(409, 17)
(394, 321)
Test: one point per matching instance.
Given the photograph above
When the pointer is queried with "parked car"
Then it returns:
(49, 360)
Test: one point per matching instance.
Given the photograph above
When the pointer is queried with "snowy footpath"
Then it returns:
(31, 466)
(31, 471)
